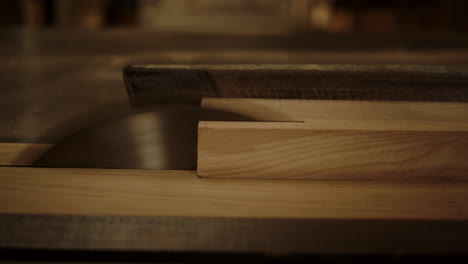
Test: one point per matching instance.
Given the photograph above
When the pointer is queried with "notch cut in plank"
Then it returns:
(182, 193)
(295, 151)
(21, 154)
(351, 115)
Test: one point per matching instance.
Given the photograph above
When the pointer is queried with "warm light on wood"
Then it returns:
(182, 193)
(21, 154)
(335, 140)
(351, 115)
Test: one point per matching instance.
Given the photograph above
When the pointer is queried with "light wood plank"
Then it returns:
(323, 139)
(181, 193)
(351, 115)
(21, 154)
(295, 151)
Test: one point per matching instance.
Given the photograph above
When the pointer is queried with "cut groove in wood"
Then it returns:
(351, 115)
(335, 140)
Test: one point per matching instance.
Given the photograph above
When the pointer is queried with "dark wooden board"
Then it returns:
(55, 82)
(152, 84)
(225, 238)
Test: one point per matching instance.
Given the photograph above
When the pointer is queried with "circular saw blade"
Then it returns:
(165, 138)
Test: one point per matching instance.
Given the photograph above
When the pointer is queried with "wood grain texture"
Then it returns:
(21, 154)
(295, 151)
(182, 193)
(350, 115)
(325, 139)
(296, 81)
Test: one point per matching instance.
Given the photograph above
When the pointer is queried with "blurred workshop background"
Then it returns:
(61, 60)
(240, 16)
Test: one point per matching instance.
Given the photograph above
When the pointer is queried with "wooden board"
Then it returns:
(53, 84)
(182, 193)
(21, 154)
(350, 115)
(187, 239)
(92, 214)
(291, 151)
(176, 83)
(335, 140)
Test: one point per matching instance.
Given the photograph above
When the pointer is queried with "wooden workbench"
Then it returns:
(74, 210)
